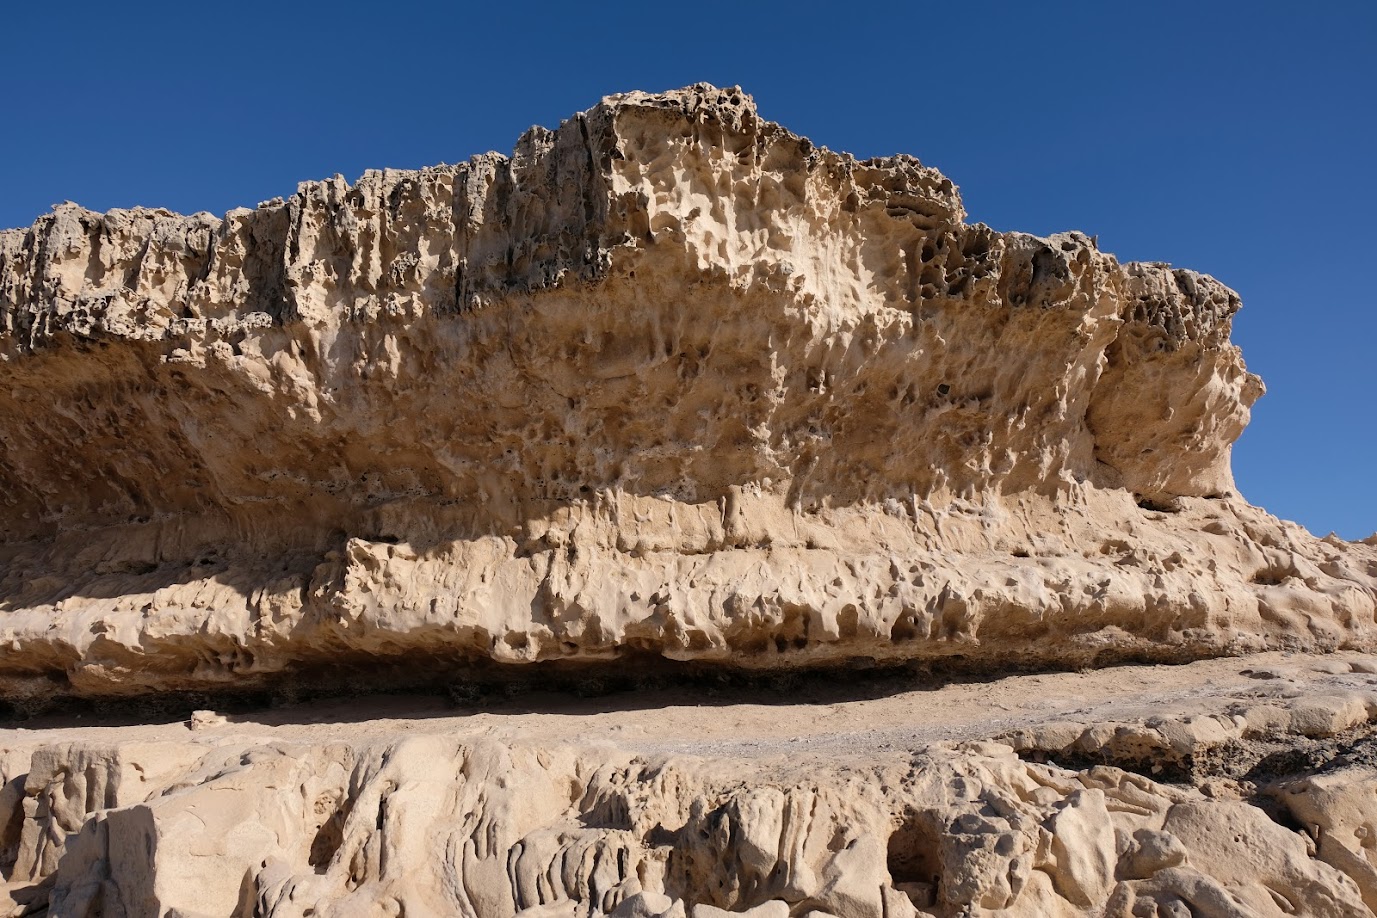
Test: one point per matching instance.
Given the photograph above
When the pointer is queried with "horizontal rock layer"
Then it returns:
(563, 813)
(668, 381)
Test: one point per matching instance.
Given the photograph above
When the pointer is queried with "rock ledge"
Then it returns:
(667, 382)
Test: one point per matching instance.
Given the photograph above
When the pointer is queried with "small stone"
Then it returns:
(204, 720)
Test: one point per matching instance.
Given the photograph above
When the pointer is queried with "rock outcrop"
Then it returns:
(668, 390)
(668, 381)
(1263, 808)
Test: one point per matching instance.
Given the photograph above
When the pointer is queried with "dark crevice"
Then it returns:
(913, 858)
(1152, 505)
(1255, 766)
(328, 838)
(479, 682)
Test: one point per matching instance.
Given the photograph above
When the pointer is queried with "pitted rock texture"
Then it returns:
(854, 808)
(669, 381)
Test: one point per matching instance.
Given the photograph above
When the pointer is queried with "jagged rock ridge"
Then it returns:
(670, 381)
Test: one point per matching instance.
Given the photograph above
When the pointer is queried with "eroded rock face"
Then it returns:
(668, 380)
(469, 820)
(1235, 788)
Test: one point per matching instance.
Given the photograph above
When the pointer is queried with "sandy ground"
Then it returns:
(819, 719)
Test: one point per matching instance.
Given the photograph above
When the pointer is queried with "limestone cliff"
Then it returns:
(669, 381)
(668, 388)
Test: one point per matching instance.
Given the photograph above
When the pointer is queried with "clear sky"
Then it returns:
(1235, 138)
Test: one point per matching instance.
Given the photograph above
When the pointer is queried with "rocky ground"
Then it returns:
(1229, 787)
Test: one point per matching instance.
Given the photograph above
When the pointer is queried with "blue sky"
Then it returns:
(1235, 138)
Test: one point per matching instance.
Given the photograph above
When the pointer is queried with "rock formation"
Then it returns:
(668, 390)
(1253, 793)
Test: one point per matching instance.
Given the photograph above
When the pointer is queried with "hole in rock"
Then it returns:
(848, 622)
(905, 629)
(612, 813)
(661, 837)
(1159, 506)
(10, 833)
(1274, 574)
(913, 860)
(328, 839)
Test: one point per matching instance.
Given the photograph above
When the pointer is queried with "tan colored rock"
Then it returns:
(678, 808)
(772, 909)
(1083, 846)
(428, 827)
(66, 783)
(1327, 715)
(667, 385)
(1259, 863)
(1339, 809)
(668, 380)
(205, 720)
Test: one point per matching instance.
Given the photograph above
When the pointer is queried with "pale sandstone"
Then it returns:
(675, 809)
(668, 380)
(667, 384)
(1339, 810)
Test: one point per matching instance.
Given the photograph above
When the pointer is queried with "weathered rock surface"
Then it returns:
(844, 806)
(669, 381)
(668, 387)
